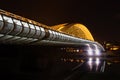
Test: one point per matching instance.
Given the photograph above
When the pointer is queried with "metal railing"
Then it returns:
(15, 29)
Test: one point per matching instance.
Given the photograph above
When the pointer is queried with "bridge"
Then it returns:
(18, 30)
(39, 60)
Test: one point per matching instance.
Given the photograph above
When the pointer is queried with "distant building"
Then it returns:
(112, 45)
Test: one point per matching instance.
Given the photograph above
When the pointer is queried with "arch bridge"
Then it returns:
(18, 30)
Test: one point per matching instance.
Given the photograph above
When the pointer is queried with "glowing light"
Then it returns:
(108, 44)
(77, 30)
(71, 60)
(109, 63)
(90, 63)
(77, 50)
(82, 61)
(97, 61)
(114, 48)
(64, 60)
(90, 59)
(89, 50)
(90, 53)
(86, 31)
(97, 51)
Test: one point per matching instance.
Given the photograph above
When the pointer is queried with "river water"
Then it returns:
(53, 63)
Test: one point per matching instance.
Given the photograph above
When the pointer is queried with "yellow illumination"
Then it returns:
(109, 63)
(108, 44)
(114, 48)
(77, 30)
(82, 61)
(86, 31)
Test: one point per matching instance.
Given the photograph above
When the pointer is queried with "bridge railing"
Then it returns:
(15, 29)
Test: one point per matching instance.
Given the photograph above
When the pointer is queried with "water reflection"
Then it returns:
(96, 64)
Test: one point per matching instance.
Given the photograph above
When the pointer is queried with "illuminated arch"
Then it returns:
(77, 30)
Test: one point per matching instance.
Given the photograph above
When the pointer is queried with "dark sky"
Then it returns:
(102, 18)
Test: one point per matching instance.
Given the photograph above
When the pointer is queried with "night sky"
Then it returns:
(102, 18)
